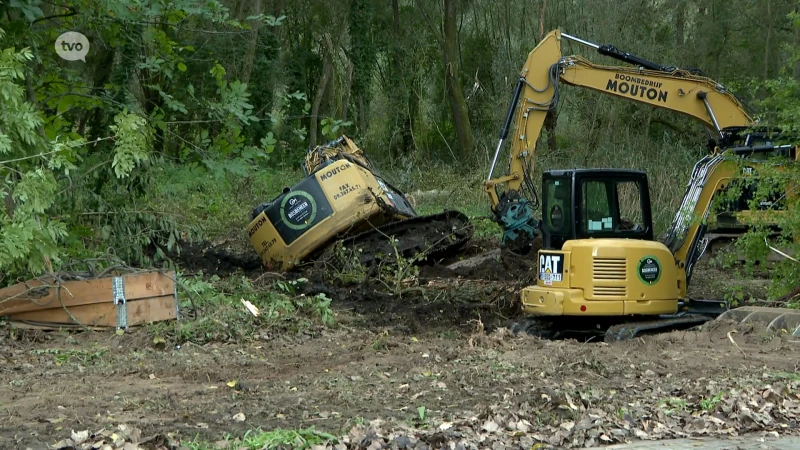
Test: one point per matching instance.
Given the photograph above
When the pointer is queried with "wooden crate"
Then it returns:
(120, 302)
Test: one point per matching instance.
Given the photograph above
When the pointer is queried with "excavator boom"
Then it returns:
(695, 96)
(686, 92)
(652, 83)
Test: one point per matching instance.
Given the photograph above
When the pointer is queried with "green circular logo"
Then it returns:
(298, 209)
(649, 270)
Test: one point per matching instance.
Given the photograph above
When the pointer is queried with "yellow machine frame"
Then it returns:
(537, 92)
(616, 277)
(341, 195)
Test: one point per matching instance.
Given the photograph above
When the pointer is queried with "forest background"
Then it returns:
(187, 114)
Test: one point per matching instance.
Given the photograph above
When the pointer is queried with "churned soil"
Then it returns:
(723, 380)
(429, 362)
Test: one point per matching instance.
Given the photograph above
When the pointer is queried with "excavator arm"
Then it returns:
(711, 175)
(687, 92)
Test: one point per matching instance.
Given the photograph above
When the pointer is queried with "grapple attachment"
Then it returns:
(773, 319)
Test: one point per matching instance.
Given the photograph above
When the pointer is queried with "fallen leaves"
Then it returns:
(551, 417)
(121, 438)
(566, 417)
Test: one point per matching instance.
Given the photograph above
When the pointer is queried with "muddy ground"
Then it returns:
(433, 362)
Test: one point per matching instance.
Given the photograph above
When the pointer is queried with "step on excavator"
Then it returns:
(601, 271)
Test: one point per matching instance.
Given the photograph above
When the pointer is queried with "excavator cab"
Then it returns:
(594, 203)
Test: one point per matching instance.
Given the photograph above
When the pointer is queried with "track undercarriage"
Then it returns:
(777, 320)
(608, 330)
(414, 239)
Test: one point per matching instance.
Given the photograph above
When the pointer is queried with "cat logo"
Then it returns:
(550, 267)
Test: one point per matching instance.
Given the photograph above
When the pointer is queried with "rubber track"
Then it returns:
(417, 237)
(630, 330)
(548, 328)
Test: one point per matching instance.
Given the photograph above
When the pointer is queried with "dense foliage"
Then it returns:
(186, 112)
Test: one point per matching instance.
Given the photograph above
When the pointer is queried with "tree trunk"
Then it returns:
(400, 93)
(541, 20)
(327, 71)
(796, 44)
(102, 75)
(680, 23)
(252, 44)
(767, 40)
(362, 57)
(551, 118)
(455, 96)
(346, 95)
(362, 115)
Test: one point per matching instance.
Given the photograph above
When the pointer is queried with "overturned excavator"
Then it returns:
(344, 199)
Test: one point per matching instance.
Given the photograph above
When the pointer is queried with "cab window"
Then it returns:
(630, 206)
(597, 213)
(611, 206)
(556, 206)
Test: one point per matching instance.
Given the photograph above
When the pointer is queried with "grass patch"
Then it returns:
(75, 356)
(786, 376)
(266, 440)
(218, 205)
(212, 310)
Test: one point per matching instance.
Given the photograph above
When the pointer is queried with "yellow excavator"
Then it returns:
(687, 92)
(600, 268)
(344, 199)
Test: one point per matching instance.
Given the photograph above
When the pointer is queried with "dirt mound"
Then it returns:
(221, 259)
(500, 265)
(423, 305)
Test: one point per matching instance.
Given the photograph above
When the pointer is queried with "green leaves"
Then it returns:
(132, 140)
(34, 193)
(29, 8)
(272, 20)
(218, 72)
(330, 127)
(5, 144)
(157, 88)
(28, 237)
(775, 184)
(268, 143)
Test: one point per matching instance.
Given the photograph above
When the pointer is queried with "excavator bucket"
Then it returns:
(773, 319)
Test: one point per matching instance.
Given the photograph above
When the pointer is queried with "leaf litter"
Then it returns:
(555, 411)
(427, 386)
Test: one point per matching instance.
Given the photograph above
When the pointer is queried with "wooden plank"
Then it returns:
(76, 293)
(154, 309)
